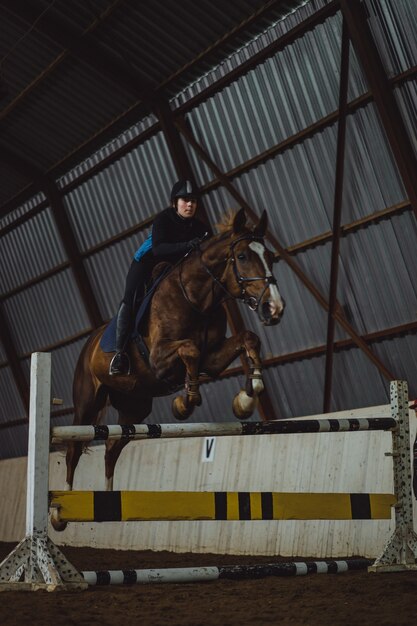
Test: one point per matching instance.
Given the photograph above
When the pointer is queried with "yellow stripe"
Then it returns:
(167, 505)
(232, 505)
(304, 506)
(194, 505)
(74, 505)
(381, 504)
(329, 506)
(256, 506)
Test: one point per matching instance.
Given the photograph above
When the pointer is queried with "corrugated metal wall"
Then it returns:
(283, 96)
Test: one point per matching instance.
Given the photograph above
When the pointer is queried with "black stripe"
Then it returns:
(128, 431)
(359, 563)
(267, 505)
(154, 431)
(334, 425)
(311, 567)
(103, 577)
(129, 577)
(382, 423)
(242, 572)
(313, 426)
(360, 505)
(333, 567)
(107, 506)
(220, 503)
(101, 432)
(244, 505)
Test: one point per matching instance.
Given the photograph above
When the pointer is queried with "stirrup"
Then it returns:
(120, 365)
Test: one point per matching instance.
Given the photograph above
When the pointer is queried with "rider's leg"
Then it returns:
(120, 363)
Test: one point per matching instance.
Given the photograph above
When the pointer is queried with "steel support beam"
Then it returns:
(64, 228)
(15, 364)
(390, 114)
(71, 248)
(337, 215)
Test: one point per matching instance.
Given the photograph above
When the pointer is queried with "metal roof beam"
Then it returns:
(15, 364)
(283, 253)
(302, 246)
(71, 248)
(251, 163)
(76, 44)
(131, 115)
(64, 228)
(402, 149)
(337, 215)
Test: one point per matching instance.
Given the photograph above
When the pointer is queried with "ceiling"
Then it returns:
(76, 74)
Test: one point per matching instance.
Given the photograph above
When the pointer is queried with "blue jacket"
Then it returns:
(144, 248)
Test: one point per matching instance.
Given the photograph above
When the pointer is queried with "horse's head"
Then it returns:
(249, 274)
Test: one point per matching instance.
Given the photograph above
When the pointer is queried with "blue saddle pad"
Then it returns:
(108, 339)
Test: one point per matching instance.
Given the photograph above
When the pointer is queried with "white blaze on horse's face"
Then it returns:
(274, 301)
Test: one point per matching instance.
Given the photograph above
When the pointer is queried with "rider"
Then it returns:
(175, 231)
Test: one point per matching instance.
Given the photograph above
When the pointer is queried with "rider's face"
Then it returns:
(186, 207)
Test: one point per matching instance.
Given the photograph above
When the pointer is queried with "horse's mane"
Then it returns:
(227, 222)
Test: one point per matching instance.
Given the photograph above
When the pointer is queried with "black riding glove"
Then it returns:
(193, 244)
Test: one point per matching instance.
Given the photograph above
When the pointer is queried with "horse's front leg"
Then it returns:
(247, 343)
(164, 361)
(183, 406)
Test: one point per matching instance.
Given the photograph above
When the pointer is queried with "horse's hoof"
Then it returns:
(179, 410)
(244, 405)
(56, 522)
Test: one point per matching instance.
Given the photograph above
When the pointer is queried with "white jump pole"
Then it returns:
(37, 563)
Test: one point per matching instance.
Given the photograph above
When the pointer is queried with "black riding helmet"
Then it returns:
(184, 189)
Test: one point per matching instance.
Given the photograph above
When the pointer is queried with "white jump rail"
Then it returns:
(37, 563)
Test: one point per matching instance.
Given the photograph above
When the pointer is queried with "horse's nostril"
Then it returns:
(266, 310)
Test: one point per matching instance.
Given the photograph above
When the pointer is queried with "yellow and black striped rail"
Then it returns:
(111, 506)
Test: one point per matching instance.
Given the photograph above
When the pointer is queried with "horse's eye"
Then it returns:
(241, 256)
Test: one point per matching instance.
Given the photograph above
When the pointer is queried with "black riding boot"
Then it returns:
(120, 363)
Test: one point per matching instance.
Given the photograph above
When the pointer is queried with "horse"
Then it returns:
(185, 332)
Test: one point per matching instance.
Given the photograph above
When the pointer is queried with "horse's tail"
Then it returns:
(88, 398)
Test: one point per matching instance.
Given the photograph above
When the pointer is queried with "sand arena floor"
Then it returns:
(335, 599)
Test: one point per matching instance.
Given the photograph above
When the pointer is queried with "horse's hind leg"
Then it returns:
(87, 411)
(127, 416)
(87, 407)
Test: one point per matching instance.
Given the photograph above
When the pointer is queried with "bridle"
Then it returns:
(252, 302)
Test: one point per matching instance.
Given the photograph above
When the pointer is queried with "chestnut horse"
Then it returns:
(185, 334)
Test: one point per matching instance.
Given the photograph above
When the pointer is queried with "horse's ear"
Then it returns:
(260, 227)
(239, 221)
